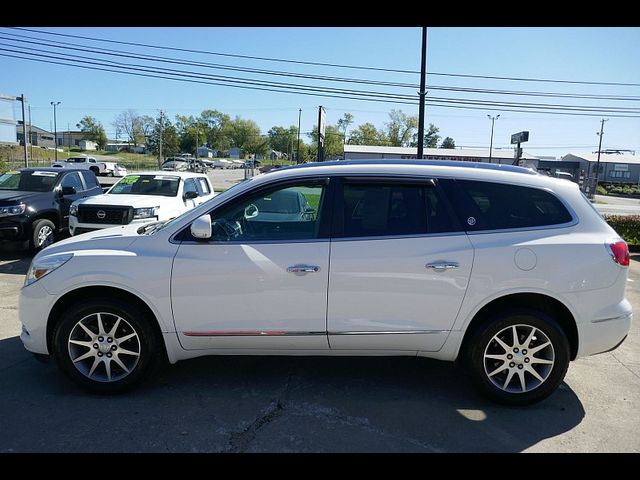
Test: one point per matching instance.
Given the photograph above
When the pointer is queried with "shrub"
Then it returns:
(627, 226)
(600, 190)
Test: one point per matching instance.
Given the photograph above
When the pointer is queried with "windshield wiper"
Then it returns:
(149, 228)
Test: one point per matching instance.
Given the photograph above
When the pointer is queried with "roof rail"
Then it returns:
(439, 163)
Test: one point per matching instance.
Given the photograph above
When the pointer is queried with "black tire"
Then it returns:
(483, 341)
(149, 344)
(38, 230)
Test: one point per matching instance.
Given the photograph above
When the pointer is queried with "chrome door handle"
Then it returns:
(442, 266)
(303, 269)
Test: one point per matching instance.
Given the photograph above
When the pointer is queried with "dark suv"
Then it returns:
(34, 202)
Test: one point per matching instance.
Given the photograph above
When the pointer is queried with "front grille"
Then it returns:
(110, 215)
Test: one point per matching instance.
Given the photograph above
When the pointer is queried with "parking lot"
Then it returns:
(280, 404)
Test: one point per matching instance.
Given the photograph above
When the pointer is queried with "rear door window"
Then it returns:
(498, 206)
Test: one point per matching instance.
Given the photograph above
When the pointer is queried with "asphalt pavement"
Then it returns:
(312, 404)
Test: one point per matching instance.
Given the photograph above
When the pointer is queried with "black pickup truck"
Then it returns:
(34, 202)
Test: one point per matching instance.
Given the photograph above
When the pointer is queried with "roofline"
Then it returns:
(438, 163)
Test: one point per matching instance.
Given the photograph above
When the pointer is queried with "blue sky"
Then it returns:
(576, 54)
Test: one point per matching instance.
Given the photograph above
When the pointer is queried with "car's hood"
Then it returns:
(11, 197)
(114, 238)
(136, 201)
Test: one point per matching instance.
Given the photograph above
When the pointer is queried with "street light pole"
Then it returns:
(55, 128)
(422, 93)
(493, 119)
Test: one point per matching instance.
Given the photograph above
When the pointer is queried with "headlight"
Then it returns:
(145, 212)
(13, 210)
(45, 265)
(73, 210)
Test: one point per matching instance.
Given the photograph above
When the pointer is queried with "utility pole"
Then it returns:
(422, 93)
(298, 152)
(493, 119)
(24, 131)
(30, 134)
(55, 127)
(160, 145)
(595, 187)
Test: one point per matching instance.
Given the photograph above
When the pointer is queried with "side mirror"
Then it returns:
(68, 191)
(190, 195)
(201, 227)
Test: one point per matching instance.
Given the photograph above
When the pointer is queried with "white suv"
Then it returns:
(140, 197)
(513, 273)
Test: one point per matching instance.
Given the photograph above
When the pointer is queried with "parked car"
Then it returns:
(34, 202)
(512, 273)
(90, 163)
(175, 165)
(138, 198)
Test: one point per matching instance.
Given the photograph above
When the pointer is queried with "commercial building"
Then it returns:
(368, 152)
(39, 137)
(614, 167)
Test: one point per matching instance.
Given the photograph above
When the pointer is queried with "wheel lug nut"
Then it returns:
(113, 347)
(526, 360)
(101, 339)
(520, 367)
(512, 364)
(109, 355)
(99, 354)
(509, 356)
(95, 345)
(524, 352)
(515, 350)
(109, 339)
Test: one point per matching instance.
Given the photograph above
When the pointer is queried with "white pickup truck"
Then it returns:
(141, 197)
(111, 169)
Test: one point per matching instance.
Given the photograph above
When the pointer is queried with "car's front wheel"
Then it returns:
(105, 345)
(43, 234)
(519, 357)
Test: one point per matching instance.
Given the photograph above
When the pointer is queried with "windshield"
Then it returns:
(28, 181)
(154, 227)
(163, 185)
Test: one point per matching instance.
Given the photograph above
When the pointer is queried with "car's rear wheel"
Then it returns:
(106, 346)
(519, 357)
(43, 234)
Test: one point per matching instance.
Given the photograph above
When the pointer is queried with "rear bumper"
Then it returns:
(606, 334)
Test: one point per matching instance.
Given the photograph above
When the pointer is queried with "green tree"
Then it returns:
(431, 137)
(216, 129)
(401, 128)
(187, 129)
(343, 124)
(367, 134)
(94, 131)
(448, 142)
(283, 139)
(246, 135)
(333, 146)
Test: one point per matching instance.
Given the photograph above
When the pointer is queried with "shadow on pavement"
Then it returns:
(272, 404)
(14, 257)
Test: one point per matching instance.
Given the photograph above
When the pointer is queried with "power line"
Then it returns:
(271, 59)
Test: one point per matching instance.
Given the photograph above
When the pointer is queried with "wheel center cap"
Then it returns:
(104, 347)
(518, 358)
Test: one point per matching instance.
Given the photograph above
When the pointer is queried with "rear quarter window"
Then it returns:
(499, 206)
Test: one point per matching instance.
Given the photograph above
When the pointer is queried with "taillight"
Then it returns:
(619, 251)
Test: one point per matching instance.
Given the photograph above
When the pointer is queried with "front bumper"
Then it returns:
(34, 305)
(15, 228)
(77, 228)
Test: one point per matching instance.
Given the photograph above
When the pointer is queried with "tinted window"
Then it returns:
(393, 209)
(164, 185)
(90, 179)
(190, 186)
(502, 206)
(290, 213)
(72, 180)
